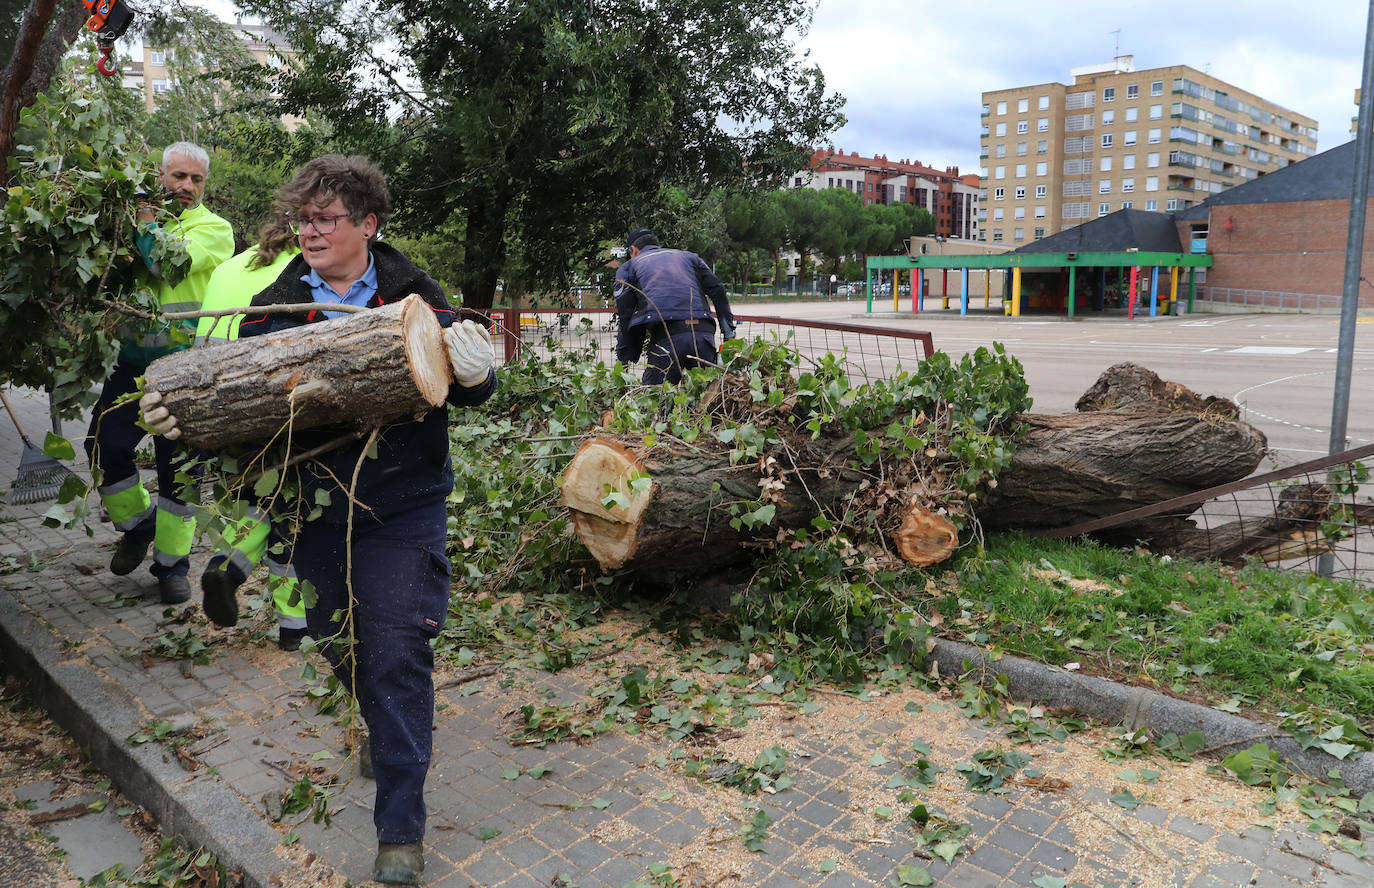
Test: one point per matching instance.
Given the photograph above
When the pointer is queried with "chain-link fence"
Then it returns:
(869, 352)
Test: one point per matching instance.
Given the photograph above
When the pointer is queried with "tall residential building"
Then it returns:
(1056, 155)
(951, 198)
(145, 69)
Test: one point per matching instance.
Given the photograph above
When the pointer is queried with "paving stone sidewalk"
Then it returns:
(607, 811)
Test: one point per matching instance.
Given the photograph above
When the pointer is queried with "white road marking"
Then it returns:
(1268, 350)
(1236, 398)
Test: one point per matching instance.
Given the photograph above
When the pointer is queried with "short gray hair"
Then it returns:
(188, 150)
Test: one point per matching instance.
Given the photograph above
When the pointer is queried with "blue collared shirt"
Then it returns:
(360, 292)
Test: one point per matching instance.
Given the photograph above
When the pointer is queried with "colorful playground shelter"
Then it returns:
(1127, 259)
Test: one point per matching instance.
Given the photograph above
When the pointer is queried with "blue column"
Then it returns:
(963, 291)
(1154, 291)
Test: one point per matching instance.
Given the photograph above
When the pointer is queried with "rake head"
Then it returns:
(40, 477)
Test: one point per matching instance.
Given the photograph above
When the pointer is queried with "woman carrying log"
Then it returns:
(375, 557)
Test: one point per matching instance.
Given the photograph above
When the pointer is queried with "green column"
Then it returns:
(1073, 273)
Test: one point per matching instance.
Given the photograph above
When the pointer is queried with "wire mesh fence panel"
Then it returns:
(869, 353)
(1290, 519)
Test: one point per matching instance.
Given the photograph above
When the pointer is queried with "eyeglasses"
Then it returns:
(322, 224)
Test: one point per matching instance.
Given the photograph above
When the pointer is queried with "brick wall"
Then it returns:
(1283, 247)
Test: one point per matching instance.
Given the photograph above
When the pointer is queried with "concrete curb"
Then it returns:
(1135, 708)
(100, 715)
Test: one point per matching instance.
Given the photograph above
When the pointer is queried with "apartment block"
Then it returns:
(949, 197)
(145, 69)
(1055, 155)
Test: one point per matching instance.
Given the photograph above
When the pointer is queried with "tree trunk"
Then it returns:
(1137, 440)
(663, 511)
(364, 368)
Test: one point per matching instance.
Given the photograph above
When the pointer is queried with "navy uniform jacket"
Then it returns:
(412, 465)
(664, 285)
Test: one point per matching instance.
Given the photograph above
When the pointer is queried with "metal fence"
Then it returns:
(869, 352)
(1260, 300)
(1288, 518)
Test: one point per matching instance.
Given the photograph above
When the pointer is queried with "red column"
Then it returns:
(1130, 304)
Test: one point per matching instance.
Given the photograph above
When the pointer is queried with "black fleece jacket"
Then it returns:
(412, 464)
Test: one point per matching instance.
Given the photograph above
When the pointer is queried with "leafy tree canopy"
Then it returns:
(551, 127)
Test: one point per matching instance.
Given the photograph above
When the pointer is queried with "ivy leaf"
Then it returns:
(911, 874)
(1126, 800)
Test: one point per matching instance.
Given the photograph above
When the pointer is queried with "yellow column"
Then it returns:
(896, 288)
(1173, 290)
(1016, 292)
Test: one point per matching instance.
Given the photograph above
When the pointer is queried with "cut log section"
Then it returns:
(362, 369)
(663, 511)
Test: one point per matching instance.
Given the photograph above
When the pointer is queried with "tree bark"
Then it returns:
(675, 522)
(44, 37)
(365, 368)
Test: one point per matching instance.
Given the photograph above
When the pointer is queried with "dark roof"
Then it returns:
(1326, 176)
(1123, 230)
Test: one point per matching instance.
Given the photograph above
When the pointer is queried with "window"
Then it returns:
(998, 214)
(1151, 183)
(1104, 208)
(830, 182)
(1171, 204)
(997, 235)
(1154, 136)
(1157, 88)
(1152, 205)
(1020, 192)
(1040, 211)
(1044, 104)
(1133, 90)
(1042, 146)
(1042, 169)
(1106, 166)
(1127, 186)
(999, 172)
(1002, 106)
(999, 192)
(1108, 117)
(1022, 127)
(1128, 161)
(1000, 150)
(1109, 94)
(1127, 204)
(1040, 190)
(1104, 186)
(1022, 106)
(1020, 149)
(1039, 233)
(1018, 234)
(1020, 171)
(1131, 115)
(157, 57)
(1018, 213)
(1106, 140)
(1152, 159)
(797, 182)
(1001, 129)
(1128, 138)
(1042, 125)
(1156, 112)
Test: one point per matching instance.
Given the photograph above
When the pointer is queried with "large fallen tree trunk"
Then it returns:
(365, 368)
(665, 511)
(1136, 440)
(665, 508)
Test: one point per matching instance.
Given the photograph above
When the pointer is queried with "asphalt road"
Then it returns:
(1280, 368)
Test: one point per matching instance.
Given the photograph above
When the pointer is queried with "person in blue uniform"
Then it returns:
(661, 302)
(381, 589)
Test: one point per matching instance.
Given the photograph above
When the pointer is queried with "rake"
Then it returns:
(40, 477)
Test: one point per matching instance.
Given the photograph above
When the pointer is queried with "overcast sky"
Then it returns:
(913, 71)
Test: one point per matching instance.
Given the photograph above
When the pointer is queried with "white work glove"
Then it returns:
(157, 417)
(470, 353)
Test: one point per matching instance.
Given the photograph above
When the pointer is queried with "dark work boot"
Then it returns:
(175, 588)
(129, 554)
(290, 639)
(399, 864)
(220, 584)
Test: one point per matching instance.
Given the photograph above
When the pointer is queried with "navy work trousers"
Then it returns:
(668, 356)
(112, 443)
(380, 644)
